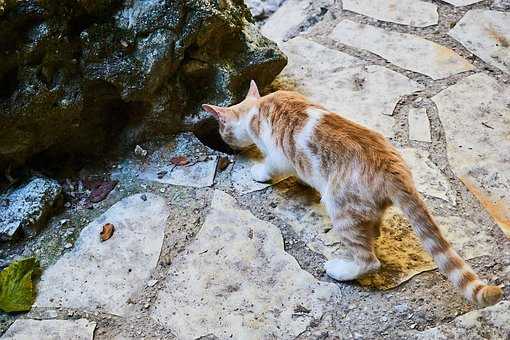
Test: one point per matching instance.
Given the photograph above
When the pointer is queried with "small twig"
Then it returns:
(487, 125)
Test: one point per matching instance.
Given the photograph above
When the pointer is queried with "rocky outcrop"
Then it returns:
(28, 207)
(74, 73)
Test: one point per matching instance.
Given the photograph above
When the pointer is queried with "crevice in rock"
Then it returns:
(9, 81)
(208, 134)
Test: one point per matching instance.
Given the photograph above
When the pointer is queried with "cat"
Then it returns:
(356, 170)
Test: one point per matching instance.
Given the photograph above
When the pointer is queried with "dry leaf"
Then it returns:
(100, 192)
(223, 163)
(179, 160)
(107, 231)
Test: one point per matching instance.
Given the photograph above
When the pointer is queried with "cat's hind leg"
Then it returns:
(358, 236)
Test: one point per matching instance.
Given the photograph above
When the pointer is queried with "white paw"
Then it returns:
(259, 173)
(346, 270)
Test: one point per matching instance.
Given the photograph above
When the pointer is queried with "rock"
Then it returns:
(365, 94)
(244, 284)
(486, 34)
(102, 276)
(405, 12)
(419, 125)
(263, 8)
(79, 77)
(458, 3)
(140, 152)
(30, 206)
(428, 178)
(27, 329)
(408, 51)
(486, 323)
(475, 114)
(196, 173)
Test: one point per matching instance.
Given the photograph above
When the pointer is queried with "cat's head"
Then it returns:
(233, 120)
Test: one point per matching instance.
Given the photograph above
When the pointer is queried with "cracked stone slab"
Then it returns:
(428, 178)
(365, 94)
(486, 323)
(97, 275)
(486, 34)
(407, 51)
(286, 20)
(158, 167)
(419, 125)
(242, 180)
(27, 329)
(405, 12)
(458, 3)
(28, 207)
(243, 284)
(475, 114)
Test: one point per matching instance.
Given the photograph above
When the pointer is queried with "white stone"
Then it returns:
(241, 172)
(419, 125)
(365, 94)
(235, 281)
(475, 114)
(406, 12)
(428, 178)
(196, 174)
(486, 34)
(458, 3)
(104, 275)
(27, 329)
(486, 323)
(408, 51)
(285, 21)
(260, 8)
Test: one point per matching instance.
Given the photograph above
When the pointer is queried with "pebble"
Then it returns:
(144, 197)
(140, 152)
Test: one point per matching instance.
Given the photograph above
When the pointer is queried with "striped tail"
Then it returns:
(448, 261)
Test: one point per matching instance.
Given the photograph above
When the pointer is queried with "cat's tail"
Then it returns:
(446, 258)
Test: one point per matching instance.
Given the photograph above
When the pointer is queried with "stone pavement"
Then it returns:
(201, 251)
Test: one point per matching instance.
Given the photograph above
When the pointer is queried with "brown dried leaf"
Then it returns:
(179, 160)
(107, 232)
(223, 163)
(101, 191)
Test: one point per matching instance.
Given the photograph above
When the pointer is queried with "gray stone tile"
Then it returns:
(27, 329)
(419, 125)
(475, 114)
(236, 281)
(486, 323)
(406, 12)
(102, 276)
(428, 178)
(486, 34)
(408, 51)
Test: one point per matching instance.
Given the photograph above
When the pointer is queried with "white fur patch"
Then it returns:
(346, 270)
(302, 140)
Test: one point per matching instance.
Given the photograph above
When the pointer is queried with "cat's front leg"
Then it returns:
(260, 172)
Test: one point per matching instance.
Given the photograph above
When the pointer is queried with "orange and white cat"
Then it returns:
(356, 170)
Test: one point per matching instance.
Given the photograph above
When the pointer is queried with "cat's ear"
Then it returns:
(216, 111)
(253, 91)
